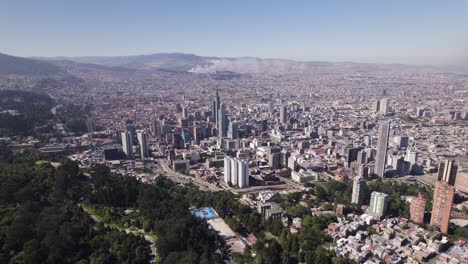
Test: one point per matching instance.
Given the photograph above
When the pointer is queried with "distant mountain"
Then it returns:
(180, 62)
(162, 61)
(17, 65)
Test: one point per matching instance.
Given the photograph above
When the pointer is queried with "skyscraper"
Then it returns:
(222, 121)
(443, 195)
(447, 172)
(382, 145)
(417, 209)
(227, 169)
(143, 142)
(442, 205)
(243, 171)
(233, 132)
(378, 204)
(376, 106)
(358, 190)
(271, 107)
(283, 114)
(127, 143)
(185, 112)
(234, 171)
(215, 107)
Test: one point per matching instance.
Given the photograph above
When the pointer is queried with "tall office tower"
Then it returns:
(378, 204)
(185, 112)
(382, 145)
(215, 107)
(352, 155)
(359, 184)
(234, 171)
(283, 114)
(131, 130)
(376, 106)
(127, 143)
(385, 106)
(227, 169)
(143, 142)
(443, 194)
(155, 129)
(271, 107)
(447, 172)
(222, 121)
(442, 205)
(243, 171)
(233, 131)
(417, 209)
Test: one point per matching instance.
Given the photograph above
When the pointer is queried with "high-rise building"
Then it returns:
(233, 131)
(236, 172)
(359, 184)
(283, 114)
(382, 145)
(447, 172)
(417, 209)
(131, 130)
(215, 107)
(376, 106)
(384, 106)
(352, 155)
(127, 144)
(143, 142)
(243, 171)
(271, 107)
(227, 169)
(222, 121)
(378, 204)
(442, 205)
(443, 195)
(185, 112)
(401, 141)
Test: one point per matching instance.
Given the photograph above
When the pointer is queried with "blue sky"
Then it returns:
(417, 32)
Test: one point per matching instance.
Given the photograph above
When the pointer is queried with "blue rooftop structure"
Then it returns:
(205, 213)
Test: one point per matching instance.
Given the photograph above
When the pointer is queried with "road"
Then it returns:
(185, 179)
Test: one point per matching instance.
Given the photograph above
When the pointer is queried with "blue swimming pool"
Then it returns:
(205, 213)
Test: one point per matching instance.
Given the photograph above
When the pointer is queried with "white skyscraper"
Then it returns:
(243, 171)
(227, 169)
(358, 190)
(378, 204)
(143, 142)
(234, 171)
(127, 143)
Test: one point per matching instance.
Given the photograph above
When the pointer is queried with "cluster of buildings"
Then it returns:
(236, 172)
(394, 240)
(441, 205)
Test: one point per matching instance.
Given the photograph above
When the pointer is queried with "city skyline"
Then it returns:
(363, 31)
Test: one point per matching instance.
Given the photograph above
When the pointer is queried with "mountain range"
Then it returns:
(180, 62)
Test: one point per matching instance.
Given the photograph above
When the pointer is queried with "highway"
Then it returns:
(185, 179)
